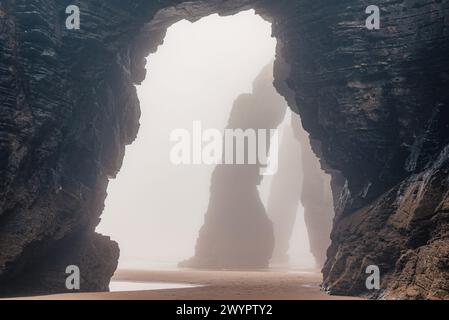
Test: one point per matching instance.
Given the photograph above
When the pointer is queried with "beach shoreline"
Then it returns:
(212, 285)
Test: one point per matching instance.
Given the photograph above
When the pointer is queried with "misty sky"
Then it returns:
(154, 209)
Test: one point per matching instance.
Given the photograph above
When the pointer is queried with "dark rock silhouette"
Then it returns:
(375, 103)
(237, 232)
(316, 197)
(95, 255)
(300, 179)
(285, 194)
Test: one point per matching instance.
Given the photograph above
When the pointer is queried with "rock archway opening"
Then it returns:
(215, 73)
(376, 114)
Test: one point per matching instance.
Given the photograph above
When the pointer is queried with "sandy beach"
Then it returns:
(214, 285)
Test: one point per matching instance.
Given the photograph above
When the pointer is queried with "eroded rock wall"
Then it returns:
(375, 104)
(68, 107)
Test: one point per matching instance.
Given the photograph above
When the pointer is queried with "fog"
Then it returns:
(154, 208)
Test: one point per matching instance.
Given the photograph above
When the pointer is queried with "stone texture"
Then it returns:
(67, 110)
(94, 254)
(404, 232)
(375, 104)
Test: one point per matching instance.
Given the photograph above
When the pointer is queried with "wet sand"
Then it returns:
(214, 285)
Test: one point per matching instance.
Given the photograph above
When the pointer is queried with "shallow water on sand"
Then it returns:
(120, 286)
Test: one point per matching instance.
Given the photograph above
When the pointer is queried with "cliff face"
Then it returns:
(375, 104)
(376, 107)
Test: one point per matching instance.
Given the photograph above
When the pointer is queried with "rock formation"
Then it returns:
(375, 103)
(237, 232)
(285, 194)
(316, 198)
(300, 179)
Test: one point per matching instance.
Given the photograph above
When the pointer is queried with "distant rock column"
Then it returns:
(237, 232)
(300, 179)
(285, 194)
(316, 197)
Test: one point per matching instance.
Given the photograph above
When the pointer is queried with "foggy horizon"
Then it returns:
(155, 221)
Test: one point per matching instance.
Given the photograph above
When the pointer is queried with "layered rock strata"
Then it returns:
(375, 103)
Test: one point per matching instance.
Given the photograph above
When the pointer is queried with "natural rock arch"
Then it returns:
(374, 103)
